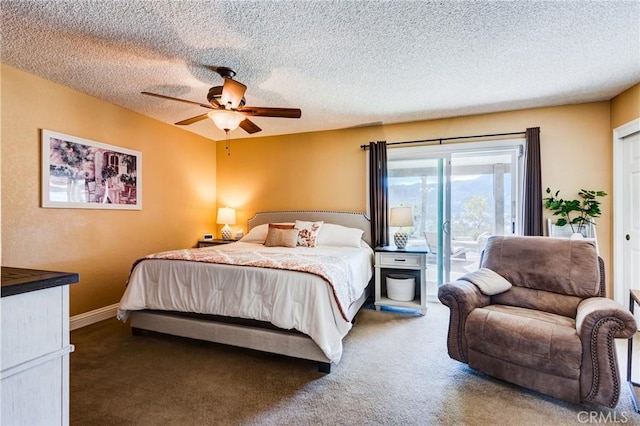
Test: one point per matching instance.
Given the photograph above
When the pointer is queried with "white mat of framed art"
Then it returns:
(84, 174)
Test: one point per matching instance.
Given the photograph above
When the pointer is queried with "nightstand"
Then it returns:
(407, 262)
(209, 243)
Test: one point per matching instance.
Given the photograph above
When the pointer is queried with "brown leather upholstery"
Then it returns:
(552, 331)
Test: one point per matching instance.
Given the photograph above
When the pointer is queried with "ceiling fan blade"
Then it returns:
(249, 126)
(271, 112)
(192, 120)
(177, 99)
(232, 93)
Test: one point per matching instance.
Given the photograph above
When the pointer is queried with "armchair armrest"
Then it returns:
(461, 297)
(598, 322)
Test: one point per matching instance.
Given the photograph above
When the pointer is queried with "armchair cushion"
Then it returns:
(536, 340)
(489, 282)
(557, 265)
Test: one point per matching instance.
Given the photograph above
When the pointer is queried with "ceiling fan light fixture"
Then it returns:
(227, 103)
(225, 119)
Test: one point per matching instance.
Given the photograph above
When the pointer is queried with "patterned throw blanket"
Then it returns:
(333, 269)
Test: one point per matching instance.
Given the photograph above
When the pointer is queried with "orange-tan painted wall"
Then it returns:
(321, 170)
(178, 185)
(185, 177)
(625, 107)
(327, 170)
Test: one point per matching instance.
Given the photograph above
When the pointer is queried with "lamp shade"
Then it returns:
(401, 216)
(226, 216)
(225, 119)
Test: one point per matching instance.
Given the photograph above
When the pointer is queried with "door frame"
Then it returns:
(619, 133)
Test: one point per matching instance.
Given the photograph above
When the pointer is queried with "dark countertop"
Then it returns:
(20, 280)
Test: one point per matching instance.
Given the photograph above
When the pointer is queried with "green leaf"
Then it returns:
(575, 212)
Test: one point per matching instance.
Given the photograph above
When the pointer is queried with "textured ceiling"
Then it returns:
(344, 63)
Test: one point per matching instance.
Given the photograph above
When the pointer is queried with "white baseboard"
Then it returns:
(92, 317)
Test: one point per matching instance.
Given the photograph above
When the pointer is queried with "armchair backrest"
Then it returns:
(548, 274)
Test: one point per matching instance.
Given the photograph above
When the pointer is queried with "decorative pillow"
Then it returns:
(487, 281)
(308, 233)
(338, 235)
(258, 234)
(281, 226)
(281, 237)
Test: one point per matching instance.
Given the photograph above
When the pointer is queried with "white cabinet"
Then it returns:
(35, 354)
(392, 261)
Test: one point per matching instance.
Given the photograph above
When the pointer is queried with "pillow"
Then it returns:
(308, 233)
(281, 226)
(487, 281)
(338, 235)
(258, 234)
(281, 237)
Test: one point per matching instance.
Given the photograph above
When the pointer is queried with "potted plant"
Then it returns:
(576, 213)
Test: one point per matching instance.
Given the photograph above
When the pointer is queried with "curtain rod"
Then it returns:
(449, 139)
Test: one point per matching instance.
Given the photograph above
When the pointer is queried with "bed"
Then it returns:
(294, 301)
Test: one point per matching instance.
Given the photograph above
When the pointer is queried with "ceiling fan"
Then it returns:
(228, 107)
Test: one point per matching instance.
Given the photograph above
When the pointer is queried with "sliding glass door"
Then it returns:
(460, 194)
(420, 182)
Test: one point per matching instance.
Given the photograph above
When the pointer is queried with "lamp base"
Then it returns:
(227, 233)
(400, 239)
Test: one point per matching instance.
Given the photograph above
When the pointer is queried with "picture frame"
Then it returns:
(566, 231)
(84, 174)
(587, 233)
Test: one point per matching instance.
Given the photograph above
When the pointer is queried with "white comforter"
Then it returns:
(287, 299)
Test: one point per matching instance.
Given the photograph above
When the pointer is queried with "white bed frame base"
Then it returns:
(267, 340)
(263, 339)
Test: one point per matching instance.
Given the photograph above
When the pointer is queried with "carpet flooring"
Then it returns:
(394, 371)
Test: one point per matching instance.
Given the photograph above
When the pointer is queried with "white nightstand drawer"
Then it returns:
(399, 259)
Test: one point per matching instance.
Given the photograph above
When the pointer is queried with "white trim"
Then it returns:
(92, 317)
(619, 133)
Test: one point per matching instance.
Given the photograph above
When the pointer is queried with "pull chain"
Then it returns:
(228, 145)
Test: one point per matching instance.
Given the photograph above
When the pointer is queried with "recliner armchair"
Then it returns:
(553, 331)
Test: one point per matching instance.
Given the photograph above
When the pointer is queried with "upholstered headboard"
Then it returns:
(350, 219)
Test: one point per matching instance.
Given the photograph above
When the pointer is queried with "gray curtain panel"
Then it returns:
(379, 193)
(532, 206)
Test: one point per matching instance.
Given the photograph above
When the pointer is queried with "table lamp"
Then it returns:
(401, 216)
(226, 216)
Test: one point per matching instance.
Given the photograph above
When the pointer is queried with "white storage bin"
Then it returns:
(401, 287)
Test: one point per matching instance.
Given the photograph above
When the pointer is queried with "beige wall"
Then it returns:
(625, 107)
(178, 184)
(326, 170)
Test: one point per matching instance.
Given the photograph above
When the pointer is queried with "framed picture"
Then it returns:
(566, 231)
(84, 174)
